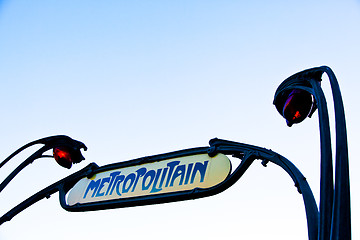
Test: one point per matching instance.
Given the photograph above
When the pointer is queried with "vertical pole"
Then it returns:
(326, 167)
(341, 219)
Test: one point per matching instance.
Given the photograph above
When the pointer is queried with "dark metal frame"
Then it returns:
(247, 153)
(332, 222)
(335, 219)
(49, 143)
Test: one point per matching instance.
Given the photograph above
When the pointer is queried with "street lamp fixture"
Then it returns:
(296, 106)
(298, 97)
(66, 151)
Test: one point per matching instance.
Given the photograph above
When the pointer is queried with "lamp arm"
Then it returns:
(29, 160)
(46, 141)
(49, 142)
(18, 151)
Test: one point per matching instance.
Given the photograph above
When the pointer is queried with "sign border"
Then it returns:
(142, 200)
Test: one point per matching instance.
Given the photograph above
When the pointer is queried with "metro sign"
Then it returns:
(157, 179)
(169, 177)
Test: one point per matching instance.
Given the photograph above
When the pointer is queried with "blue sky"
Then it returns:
(139, 78)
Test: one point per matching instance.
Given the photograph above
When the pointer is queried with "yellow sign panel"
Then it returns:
(166, 176)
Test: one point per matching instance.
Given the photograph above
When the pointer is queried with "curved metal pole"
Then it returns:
(46, 140)
(49, 142)
(18, 151)
(47, 192)
(309, 80)
(340, 226)
(341, 221)
(253, 152)
(326, 165)
(29, 160)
